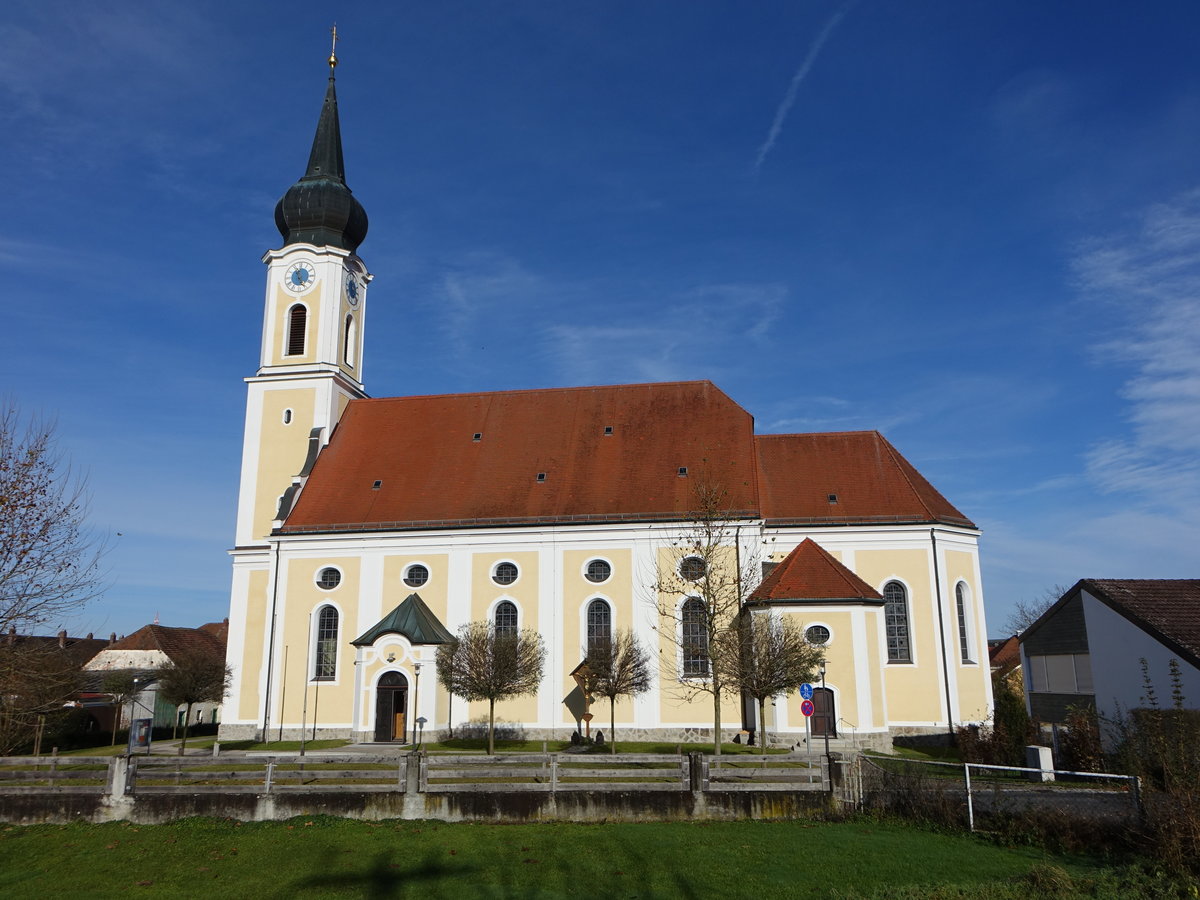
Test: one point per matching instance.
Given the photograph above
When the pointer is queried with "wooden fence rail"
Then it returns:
(419, 772)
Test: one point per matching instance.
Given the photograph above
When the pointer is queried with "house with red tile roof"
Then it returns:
(141, 654)
(1088, 649)
(370, 529)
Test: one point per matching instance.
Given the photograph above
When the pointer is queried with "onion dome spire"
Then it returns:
(319, 209)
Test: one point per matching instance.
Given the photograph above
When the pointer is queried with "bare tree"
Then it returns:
(772, 657)
(121, 687)
(37, 684)
(619, 668)
(481, 664)
(49, 561)
(191, 678)
(1025, 612)
(699, 595)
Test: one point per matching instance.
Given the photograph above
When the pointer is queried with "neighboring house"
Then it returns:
(369, 530)
(60, 657)
(141, 654)
(1086, 651)
(1004, 655)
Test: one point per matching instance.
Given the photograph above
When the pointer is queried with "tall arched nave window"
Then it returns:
(895, 614)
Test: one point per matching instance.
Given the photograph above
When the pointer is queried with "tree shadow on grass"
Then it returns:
(382, 878)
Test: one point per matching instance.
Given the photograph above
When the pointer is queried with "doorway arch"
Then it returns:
(391, 708)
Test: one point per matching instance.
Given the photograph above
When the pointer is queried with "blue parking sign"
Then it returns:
(806, 691)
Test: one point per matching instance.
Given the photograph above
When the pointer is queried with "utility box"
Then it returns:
(1040, 758)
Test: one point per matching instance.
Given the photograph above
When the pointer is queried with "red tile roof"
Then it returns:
(432, 472)
(809, 572)
(800, 475)
(175, 642)
(1004, 654)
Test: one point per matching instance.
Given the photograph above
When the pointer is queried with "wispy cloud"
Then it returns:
(1151, 276)
(789, 98)
(697, 333)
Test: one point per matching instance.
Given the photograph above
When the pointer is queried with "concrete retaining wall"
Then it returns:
(493, 806)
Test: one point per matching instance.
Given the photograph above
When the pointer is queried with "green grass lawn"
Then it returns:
(339, 858)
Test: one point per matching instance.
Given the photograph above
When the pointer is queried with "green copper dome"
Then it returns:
(319, 209)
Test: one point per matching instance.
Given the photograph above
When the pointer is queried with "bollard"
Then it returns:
(1042, 759)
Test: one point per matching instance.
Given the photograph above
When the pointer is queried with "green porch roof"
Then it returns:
(413, 619)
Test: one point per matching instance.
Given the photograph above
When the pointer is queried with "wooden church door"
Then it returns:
(824, 721)
(391, 704)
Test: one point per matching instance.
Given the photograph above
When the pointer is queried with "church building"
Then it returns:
(370, 530)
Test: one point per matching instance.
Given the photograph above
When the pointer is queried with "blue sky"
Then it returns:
(974, 226)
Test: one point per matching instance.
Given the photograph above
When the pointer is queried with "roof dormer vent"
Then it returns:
(608, 430)
(377, 485)
(833, 498)
(541, 476)
(477, 436)
(683, 471)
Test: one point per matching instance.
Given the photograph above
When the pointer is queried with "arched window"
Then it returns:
(895, 614)
(351, 342)
(325, 663)
(505, 617)
(964, 640)
(694, 638)
(297, 325)
(599, 624)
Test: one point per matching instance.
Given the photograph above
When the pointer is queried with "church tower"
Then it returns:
(311, 357)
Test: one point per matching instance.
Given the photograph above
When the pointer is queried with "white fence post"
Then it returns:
(970, 802)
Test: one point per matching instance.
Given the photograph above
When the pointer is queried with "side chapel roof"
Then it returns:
(811, 573)
(412, 619)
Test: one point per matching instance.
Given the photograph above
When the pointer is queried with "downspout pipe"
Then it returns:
(271, 648)
(937, 584)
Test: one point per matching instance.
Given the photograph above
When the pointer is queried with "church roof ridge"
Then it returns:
(546, 390)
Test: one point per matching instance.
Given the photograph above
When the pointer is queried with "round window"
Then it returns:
(598, 570)
(329, 578)
(817, 634)
(692, 568)
(415, 576)
(504, 573)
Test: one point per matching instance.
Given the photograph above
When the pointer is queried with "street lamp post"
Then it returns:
(417, 697)
(825, 702)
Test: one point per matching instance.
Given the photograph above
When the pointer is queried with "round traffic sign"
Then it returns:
(806, 691)
(807, 708)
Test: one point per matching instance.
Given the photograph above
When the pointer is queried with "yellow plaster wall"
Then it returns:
(577, 591)
(674, 705)
(282, 449)
(433, 592)
(840, 666)
(304, 598)
(972, 677)
(249, 701)
(873, 628)
(914, 690)
(283, 302)
(484, 591)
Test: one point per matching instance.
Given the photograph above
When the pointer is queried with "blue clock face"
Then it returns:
(352, 290)
(300, 277)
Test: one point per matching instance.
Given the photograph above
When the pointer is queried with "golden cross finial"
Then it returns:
(333, 52)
